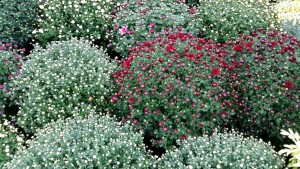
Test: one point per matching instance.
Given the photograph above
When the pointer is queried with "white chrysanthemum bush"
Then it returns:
(57, 79)
(137, 21)
(62, 19)
(289, 16)
(225, 20)
(229, 150)
(90, 142)
(10, 141)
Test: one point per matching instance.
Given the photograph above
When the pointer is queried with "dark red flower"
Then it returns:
(191, 56)
(216, 71)
(238, 48)
(171, 48)
(131, 100)
(198, 47)
(248, 44)
(183, 137)
(289, 84)
(127, 63)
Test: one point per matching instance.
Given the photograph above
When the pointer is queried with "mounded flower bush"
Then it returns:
(10, 141)
(229, 150)
(137, 21)
(169, 87)
(10, 64)
(17, 18)
(224, 20)
(263, 82)
(92, 142)
(57, 79)
(63, 19)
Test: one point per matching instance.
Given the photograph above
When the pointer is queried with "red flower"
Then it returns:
(183, 137)
(131, 100)
(238, 48)
(191, 56)
(198, 47)
(289, 84)
(127, 63)
(171, 48)
(216, 71)
(248, 44)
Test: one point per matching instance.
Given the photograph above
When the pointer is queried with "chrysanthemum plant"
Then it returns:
(263, 82)
(224, 20)
(60, 77)
(64, 19)
(168, 87)
(137, 21)
(92, 142)
(10, 141)
(10, 64)
(229, 150)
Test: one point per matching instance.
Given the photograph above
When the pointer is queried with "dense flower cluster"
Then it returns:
(63, 19)
(228, 150)
(92, 142)
(10, 141)
(169, 87)
(138, 21)
(17, 18)
(10, 64)
(56, 79)
(224, 20)
(263, 81)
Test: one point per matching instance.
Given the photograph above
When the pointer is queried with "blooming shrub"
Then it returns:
(293, 150)
(60, 77)
(228, 150)
(138, 21)
(63, 19)
(168, 87)
(92, 142)
(16, 20)
(10, 141)
(224, 20)
(263, 80)
(10, 63)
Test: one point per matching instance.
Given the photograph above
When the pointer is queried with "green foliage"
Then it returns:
(92, 142)
(139, 18)
(223, 20)
(57, 79)
(167, 88)
(10, 63)
(225, 151)
(10, 141)
(63, 19)
(17, 18)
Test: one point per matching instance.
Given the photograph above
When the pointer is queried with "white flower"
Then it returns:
(2, 135)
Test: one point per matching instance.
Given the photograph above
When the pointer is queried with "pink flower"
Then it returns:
(151, 30)
(123, 30)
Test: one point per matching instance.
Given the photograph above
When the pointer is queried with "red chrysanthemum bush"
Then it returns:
(169, 86)
(263, 82)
